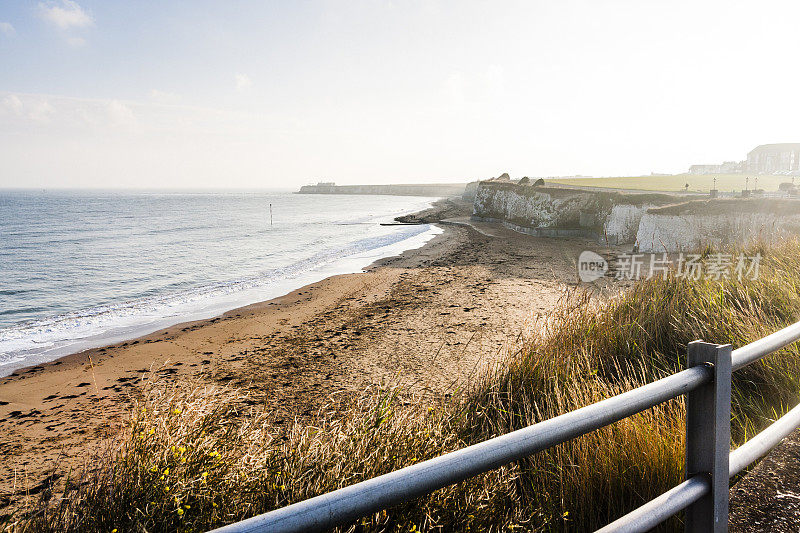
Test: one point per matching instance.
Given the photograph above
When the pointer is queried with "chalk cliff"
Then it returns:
(649, 222)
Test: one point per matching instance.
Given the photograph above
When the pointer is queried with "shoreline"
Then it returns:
(287, 298)
(433, 213)
(104, 380)
(428, 318)
(115, 335)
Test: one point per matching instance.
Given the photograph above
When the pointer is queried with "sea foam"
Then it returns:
(303, 252)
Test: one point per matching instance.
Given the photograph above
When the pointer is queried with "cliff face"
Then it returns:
(532, 207)
(608, 216)
(652, 222)
(433, 189)
(622, 224)
(692, 233)
(470, 190)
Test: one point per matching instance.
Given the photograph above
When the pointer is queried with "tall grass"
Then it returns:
(191, 460)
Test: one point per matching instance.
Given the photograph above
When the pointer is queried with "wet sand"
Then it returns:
(429, 318)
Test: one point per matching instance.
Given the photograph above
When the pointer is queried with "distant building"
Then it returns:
(728, 167)
(732, 167)
(783, 158)
(322, 187)
(704, 169)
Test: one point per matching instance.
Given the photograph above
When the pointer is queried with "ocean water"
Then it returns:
(84, 269)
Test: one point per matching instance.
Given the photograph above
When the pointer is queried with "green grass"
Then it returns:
(697, 183)
(190, 460)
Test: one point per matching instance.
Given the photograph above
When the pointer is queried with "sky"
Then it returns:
(247, 94)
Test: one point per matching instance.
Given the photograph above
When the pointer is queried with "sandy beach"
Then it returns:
(429, 318)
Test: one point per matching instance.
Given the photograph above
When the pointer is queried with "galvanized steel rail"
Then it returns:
(758, 446)
(709, 462)
(758, 349)
(659, 509)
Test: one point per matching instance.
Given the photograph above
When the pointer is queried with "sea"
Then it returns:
(82, 269)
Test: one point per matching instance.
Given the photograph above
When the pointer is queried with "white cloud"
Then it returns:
(74, 114)
(139, 143)
(40, 111)
(164, 97)
(243, 82)
(76, 41)
(13, 104)
(120, 114)
(7, 29)
(65, 15)
(37, 109)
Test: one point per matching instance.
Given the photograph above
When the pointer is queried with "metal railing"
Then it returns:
(709, 462)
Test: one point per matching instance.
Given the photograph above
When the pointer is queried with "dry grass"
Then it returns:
(190, 460)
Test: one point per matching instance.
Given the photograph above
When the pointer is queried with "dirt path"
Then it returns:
(767, 499)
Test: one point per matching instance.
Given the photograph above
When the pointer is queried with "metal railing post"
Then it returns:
(708, 437)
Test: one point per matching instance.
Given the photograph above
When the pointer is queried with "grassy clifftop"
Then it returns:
(772, 206)
(677, 182)
(190, 460)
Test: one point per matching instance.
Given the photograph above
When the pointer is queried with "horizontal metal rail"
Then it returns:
(349, 503)
(758, 446)
(654, 512)
(660, 508)
(762, 347)
(342, 506)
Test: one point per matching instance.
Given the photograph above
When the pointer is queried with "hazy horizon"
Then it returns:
(201, 95)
